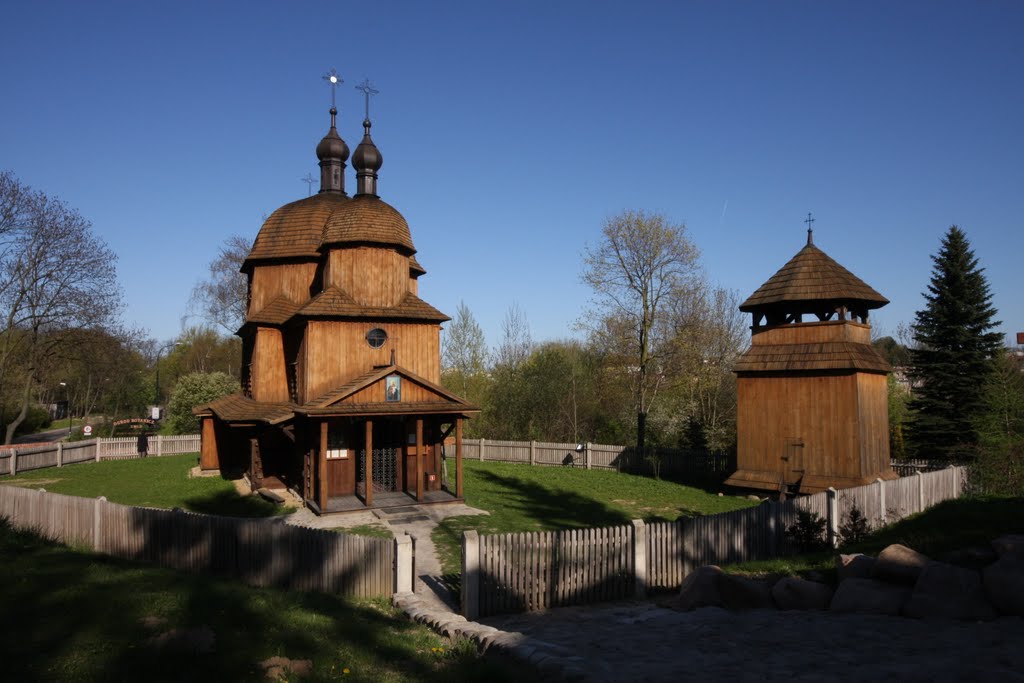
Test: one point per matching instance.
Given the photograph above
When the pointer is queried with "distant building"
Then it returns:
(812, 409)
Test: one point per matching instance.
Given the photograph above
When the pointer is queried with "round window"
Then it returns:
(376, 337)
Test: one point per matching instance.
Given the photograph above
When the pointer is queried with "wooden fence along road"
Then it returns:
(540, 570)
(14, 460)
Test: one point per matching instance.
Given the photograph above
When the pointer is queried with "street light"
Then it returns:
(67, 400)
(163, 348)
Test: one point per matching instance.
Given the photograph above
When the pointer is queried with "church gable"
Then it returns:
(390, 385)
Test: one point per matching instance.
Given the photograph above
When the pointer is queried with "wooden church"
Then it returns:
(341, 399)
(812, 410)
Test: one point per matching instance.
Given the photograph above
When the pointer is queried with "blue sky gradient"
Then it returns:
(511, 130)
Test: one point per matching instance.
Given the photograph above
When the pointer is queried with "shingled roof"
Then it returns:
(239, 408)
(809, 277)
(277, 312)
(812, 356)
(367, 219)
(333, 302)
(295, 229)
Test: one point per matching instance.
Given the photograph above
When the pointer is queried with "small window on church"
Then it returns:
(376, 337)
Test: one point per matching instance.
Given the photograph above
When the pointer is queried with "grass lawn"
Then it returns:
(73, 616)
(532, 498)
(149, 482)
(950, 525)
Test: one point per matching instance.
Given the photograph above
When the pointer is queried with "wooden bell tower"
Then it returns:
(812, 408)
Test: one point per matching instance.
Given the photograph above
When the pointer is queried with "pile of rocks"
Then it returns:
(975, 584)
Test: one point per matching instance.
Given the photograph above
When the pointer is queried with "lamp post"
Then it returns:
(156, 400)
(67, 400)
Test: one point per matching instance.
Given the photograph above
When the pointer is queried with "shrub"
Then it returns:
(192, 390)
(808, 532)
(855, 528)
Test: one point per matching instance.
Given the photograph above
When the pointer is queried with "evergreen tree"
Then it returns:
(956, 347)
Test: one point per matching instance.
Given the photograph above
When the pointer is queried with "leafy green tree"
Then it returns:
(956, 347)
(192, 390)
(1000, 464)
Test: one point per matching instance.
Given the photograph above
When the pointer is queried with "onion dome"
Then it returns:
(366, 219)
(332, 153)
(367, 160)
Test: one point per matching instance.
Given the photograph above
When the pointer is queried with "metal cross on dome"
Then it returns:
(334, 79)
(809, 230)
(368, 90)
(309, 180)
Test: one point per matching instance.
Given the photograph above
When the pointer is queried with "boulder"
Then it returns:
(1004, 585)
(699, 589)
(899, 563)
(974, 557)
(946, 591)
(708, 586)
(1010, 544)
(793, 592)
(856, 566)
(739, 592)
(868, 596)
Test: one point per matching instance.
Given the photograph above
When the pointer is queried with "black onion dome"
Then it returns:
(332, 146)
(367, 157)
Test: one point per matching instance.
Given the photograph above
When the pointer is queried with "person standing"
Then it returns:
(143, 445)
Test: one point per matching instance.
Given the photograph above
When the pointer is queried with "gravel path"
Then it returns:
(643, 642)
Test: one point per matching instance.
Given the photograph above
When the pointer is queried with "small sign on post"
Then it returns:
(87, 430)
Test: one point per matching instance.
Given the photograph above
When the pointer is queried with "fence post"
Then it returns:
(481, 449)
(97, 523)
(882, 515)
(639, 559)
(159, 445)
(586, 454)
(470, 575)
(99, 447)
(833, 517)
(14, 461)
(920, 491)
(533, 452)
(60, 454)
(403, 564)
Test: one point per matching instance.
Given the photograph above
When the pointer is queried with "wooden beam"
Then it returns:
(209, 458)
(368, 498)
(322, 467)
(419, 459)
(458, 457)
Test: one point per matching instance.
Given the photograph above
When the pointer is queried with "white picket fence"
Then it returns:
(540, 570)
(14, 460)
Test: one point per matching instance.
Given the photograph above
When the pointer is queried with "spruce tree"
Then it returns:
(954, 358)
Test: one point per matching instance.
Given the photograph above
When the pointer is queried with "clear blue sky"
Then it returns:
(511, 130)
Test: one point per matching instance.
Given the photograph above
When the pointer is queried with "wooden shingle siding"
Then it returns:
(295, 229)
(269, 377)
(289, 280)
(367, 219)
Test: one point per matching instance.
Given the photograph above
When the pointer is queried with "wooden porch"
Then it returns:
(391, 499)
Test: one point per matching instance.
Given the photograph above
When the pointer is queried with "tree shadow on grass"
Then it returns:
(77, 616)
(231, 504)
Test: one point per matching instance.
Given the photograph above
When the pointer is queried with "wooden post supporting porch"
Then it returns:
(458, 457)
(419, 459)
(368, 498)
(321, 464)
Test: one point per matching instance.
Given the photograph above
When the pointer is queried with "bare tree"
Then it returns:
(642, 261)
(55, 274)
(515, 344)
(464, 354)
(221, 299)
